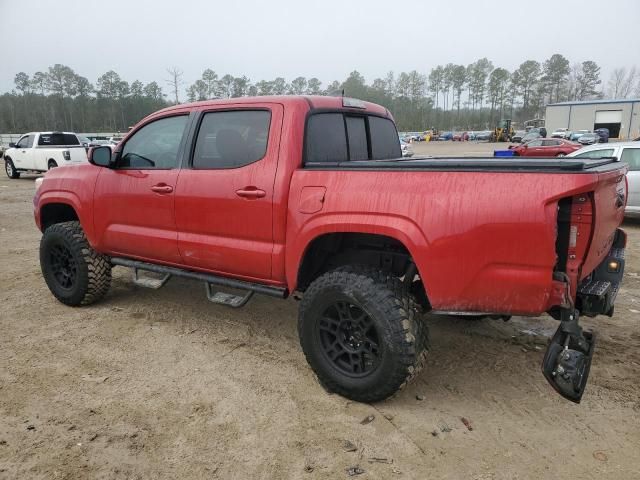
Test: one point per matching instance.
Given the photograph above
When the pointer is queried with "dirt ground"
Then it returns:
(164, 384)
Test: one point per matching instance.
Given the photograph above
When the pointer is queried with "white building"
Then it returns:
(621, 117)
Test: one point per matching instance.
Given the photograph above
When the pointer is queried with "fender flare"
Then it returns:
(402, 229)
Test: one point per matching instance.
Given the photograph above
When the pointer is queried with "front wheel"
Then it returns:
(560, 155)
(74, 272)
(10, 169)
(361, 333)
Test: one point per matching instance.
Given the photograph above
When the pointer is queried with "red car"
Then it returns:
(309, 196)
(545, 147)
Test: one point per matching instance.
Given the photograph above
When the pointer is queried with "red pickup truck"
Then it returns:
(311, 196)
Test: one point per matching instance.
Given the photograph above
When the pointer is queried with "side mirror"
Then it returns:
(100, 156)
(12, 145)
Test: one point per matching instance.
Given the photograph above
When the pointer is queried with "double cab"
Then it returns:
(309, 196)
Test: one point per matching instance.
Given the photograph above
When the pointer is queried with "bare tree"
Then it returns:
(175, 81)
(629, 82)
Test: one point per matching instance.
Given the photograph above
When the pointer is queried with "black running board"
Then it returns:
(277, 292)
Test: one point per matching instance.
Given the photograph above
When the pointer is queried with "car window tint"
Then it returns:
(326, 140)
(22, 143)
(605, 152)
(231, 139)
(384, 139)
(357, 135)
(631, 156)
(154, 146)
(58, 139)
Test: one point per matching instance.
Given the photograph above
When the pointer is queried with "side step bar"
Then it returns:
(209, 279)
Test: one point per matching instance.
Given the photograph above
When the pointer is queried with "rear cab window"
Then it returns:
(343, 136)
(57, 140)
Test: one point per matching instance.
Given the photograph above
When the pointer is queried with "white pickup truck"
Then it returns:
(42, 151)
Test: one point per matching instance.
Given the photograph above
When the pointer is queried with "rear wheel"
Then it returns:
(10, 169)
(560, 154)
(74, 272)
(51, 164)
(361, 333)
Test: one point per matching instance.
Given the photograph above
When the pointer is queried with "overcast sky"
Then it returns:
(326, 39)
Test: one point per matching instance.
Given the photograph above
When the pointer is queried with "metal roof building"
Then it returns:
(621, 117)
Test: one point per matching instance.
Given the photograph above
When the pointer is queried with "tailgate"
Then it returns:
(608, 204)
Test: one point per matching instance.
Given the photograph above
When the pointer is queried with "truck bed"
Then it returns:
(471, 164)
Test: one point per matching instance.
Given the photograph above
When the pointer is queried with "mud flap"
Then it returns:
(568, 358)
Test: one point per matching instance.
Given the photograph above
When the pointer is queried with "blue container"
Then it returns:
(503, 153)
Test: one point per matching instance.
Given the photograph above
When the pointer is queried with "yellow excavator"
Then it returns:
(503, 132)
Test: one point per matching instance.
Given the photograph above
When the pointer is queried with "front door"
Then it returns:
(134, 201)
(22, 156)
(224, 201)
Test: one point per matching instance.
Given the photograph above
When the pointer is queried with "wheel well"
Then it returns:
(53, 213)
(334, 250)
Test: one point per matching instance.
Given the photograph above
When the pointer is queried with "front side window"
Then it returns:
(154, 146)
(22, 143)
(231, 139)
(535, 143)
(605, 152)
(631, 156)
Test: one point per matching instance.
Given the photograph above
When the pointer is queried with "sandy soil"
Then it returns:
(163, 384)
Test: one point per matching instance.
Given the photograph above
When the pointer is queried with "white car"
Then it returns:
(406, 149)
(560, 133)
(42, 151)
(628, 152)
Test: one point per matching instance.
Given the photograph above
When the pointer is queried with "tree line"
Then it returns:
(474, 96)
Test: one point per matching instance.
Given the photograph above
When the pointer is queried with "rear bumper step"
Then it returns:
(597, 294)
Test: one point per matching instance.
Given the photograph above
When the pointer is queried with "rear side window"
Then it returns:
(605, 152)
(384, 139)
(58, 139)
(631, 156)
(336, 137)
(326, 138)
(231, 139)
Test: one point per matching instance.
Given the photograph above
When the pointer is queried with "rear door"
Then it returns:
(551, 147)
(631, 156)
(134, 201)
(224, 199)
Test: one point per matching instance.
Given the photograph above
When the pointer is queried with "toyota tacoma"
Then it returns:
(310, 197)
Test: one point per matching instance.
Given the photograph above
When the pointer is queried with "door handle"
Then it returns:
(162, 188)
(250, 192)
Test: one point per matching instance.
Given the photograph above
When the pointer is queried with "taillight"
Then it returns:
(575, 227)
(66, 154)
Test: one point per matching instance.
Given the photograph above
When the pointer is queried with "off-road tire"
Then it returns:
(92, 270)
(10, 169)
(401, 331)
